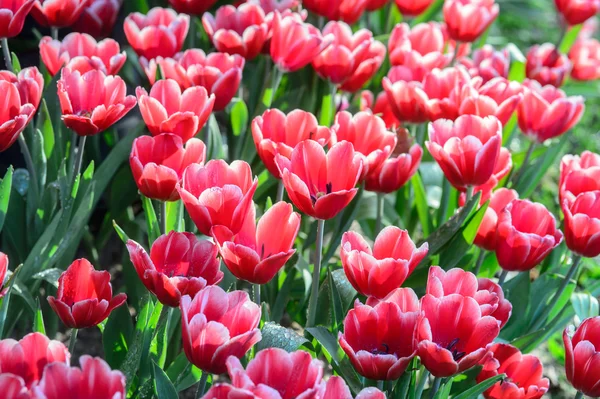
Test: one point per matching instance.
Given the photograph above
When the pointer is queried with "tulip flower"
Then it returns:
(29, 82)
(348, 11)
(523, 374)
(160, 33)
(374, 5)
(466, 150)
(217, 325)
(218, 194)
(396, 171)
(84, 297)
(412, 8)
(13, 16)
(488, 63)
(192, 7)
(94, 379)
(369, 136)
(314, 181)
(486, 234)
(98, 18)
(520, 244)
(336, 388)
(105, 55)
(3, 272)
(377, 272)
(578, 175)
(581, 356)
(255, 254)
(28, 357)
(169, 110)
(92, 102)
(379, 106)
(585, 58)
(498, 97)
(501, 170)
(157, 163)
(371, 339)
(295, 44)
(58, 13)
(277, 133)
(575, 12)
(546, 112)
(546, 65)
(179, 264)
(454, 335)
(242, 30)
(488, 294)
(13, 387)
(582, 224)
(439, 85)
(468, 19)
(352, 59)
(219, 73)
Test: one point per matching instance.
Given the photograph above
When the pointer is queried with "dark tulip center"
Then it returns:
(456, 355)
(328, 190)
(383, 349)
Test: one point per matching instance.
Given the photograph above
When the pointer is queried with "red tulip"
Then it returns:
(374, 5)
(369, 136)
(241, 30)
(3, 271)
(218, 194)
(179, 264)
(420, 49)
(12, 16)
(439, 86)
(13, 387)
(336, 388)
(575, 12)
(377, 272)
(169, 110)
(352, 59)
(546, 112)
(546, 65)
(585, 58)
(520, 244)
(58, 13)
(92, 102)
(104, 55)
(157, 163)
(501, 170)
(270, 6)
(17, 107)
(28, 357)
(582, 363)
(408, 101)
(314, 181)
(161, 33)
(578, 175)
(277, 133)
(395, 172)
(254, 254)
(466, 150)
(219, 73)
(216, 325)
(486, 235)
(488, 294)
(380, 107)
(295, 44)
(454, 335)
(98, 18)
(94, 379)
(412, 8)
(488, 63)
(498, 97)
(192, 7)
(372, 342)
(582, 224)
(84, 297)
(523, 374)
(468, 19)
(348, 11)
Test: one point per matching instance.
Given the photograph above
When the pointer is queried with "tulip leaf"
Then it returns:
(49, 275)
(328, 107)
(421, 203)
(239, 117)
(16, 63)
(163, 387)
(5, 186)
(444, 391)
(570, 38)
(584, 305)
(214, 146)
(175, 220)
(131, 363)
(117, 336)
(122, 235)
(151, 220)
(183, 373)
(430, 13)
(283, 296)
(480, 388)
(38, 319)
(517, 291)
(51, 147)
(276, 336)
(6, 300)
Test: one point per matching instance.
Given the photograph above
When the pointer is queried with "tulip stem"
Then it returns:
(202, 385)
(519, 174)
(379, 218)
(435, 387)
(29, 162)
(256, 289)
(79, 157)
(277, 74)
(469, 194)
(163, 217)
(314, 295)
(502, 277)
(579, 395)
(455, 54)
(280, 190)
(480, 259)
(424, 375)
(72, 341)
(380, 385)
(7, 57)
(539, 321)
(54, 32)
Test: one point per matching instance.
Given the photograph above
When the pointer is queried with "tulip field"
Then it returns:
(299, 199)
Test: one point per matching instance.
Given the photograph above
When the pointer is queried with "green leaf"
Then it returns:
(49, 275)
(348, 216)
(239, 117)
(44, 125)
(175, 220)
(122, 235)
(163, 387)
(517, 292)
(6, 300)
(276, 336)
(327, 109)
(283, 296)
(16, 63)
(215, 140)
(584, 305)
(570, 38)
(421, 203)
(151, 220)
(131, 363)
(480, 388)
(183, 373)
(430, 13)
(444, 391)
(38, 319)
(117, 336)
(5, 186)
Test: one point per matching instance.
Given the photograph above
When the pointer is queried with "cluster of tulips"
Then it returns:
(435, 86)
